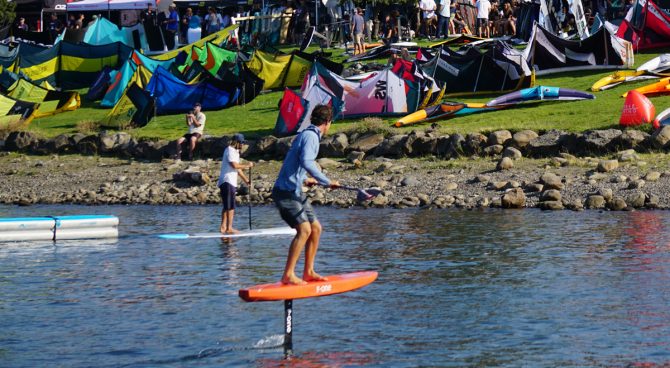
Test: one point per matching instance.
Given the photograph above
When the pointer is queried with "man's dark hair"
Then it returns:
(197, 104)
(321, 114)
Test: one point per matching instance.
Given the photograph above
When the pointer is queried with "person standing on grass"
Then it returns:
(171, 24)
(231, 168)
(443, 23)
(358, 26)
(196, 127)
(293, 205)
(483, 8)
(428, 10)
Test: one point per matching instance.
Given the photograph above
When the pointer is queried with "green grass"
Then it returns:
(258, 117)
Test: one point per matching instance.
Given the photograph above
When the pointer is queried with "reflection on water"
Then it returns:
(456, 288)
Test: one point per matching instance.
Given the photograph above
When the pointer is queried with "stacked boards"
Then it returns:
(59, 228)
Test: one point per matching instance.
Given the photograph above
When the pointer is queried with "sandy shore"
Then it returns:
(640, 182)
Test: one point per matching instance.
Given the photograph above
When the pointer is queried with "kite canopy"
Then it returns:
(50, 102)
(173, 95)
(646, 26)
(500, 68)
(547, 53)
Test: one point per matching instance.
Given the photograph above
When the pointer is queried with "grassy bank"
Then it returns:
(258, 117)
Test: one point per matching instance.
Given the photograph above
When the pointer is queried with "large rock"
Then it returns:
(213, 147)
(617, 204)
(393, 146)
(334, 146)
(661, 137)
(424, 145)
(493, 150)
(283, 145)
(20, 141)
(505, 163)
(75, 138)
(546, 145)
(627, 155)
(633, 139)
(327, 163)
(514, 198)
(595, 202)
(636, 199)
(607, 165)
(453, 147)
(499, 137)
(266, 146)
(512, 153)
(88, 145)
(410, 181)
(550, 195)
(551, 181)
(367, 142)
(652, 176)
(522, 138)
(111, 143)
(59, 144)
(474, 144)
(192, 176)
(150, 150)
(551, 205)
(408, 143)
(598, 141)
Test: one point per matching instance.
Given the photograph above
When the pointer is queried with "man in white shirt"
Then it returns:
(443, 23)
(483, 8)
(196, 126)
(428, 8)
(230, 169)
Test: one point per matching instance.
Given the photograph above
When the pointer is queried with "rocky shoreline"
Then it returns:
(504, 174)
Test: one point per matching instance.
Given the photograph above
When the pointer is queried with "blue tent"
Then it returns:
(175, 96)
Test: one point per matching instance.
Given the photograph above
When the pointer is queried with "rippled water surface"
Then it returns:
(456, 288)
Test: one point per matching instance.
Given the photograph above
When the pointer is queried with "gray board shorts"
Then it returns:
(294, 209)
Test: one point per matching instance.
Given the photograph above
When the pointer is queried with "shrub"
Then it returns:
(88, 126)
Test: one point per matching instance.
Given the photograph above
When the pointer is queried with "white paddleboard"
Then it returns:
(273, 231)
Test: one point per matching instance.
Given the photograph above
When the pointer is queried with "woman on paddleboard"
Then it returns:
(294, 206)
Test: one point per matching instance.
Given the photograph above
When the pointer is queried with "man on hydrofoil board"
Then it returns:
(294, 206)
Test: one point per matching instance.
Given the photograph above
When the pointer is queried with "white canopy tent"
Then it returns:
(106, 5)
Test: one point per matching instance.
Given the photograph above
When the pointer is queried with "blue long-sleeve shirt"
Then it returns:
(300, 160)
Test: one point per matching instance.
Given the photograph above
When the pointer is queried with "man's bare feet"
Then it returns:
(293, 280)
(222, 230)
(313, 276)
(232, 231)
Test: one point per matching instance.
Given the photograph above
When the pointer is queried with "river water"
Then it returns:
(455, 288)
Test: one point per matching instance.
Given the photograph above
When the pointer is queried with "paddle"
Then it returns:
(362, 195)
(249, 199)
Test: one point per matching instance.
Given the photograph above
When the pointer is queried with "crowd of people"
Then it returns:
(348, 22)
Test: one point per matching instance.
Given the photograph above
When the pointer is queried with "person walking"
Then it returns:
(231, 168)
(293, 205)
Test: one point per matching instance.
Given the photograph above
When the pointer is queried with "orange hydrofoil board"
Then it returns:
(334, 285)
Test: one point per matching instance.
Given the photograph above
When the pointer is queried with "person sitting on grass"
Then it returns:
(230, 169)
(196, 126)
